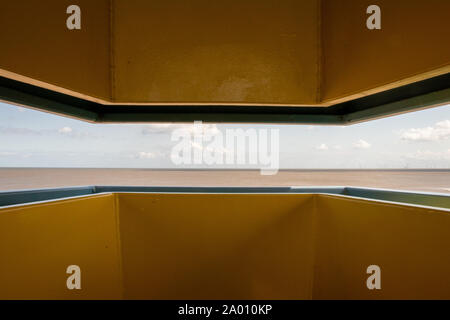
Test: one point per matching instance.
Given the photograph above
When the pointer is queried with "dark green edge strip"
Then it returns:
(418, 95)
(418, 198)
(8, 198)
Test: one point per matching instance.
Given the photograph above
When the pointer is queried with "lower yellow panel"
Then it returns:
(411, 245)
(223, 246)
(39, 241)
(217, 246)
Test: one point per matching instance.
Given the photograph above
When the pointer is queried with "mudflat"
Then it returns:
(36, 178)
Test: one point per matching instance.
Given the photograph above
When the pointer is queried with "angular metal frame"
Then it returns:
(19, 197)
(415, 96)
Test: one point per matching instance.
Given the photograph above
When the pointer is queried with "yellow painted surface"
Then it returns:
(289, 52)
(217, 246)
(36, 43)
(39, 241)
(409, 244)
(247, 51)
(412, 42)
(224, 246)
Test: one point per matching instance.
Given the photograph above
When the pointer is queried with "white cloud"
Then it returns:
(21, 109)
(148, 155)
(337, 147)
(440, 131)
(203, 129)
(158, 128)
(322, 147)
(65, 130)
(361, 144)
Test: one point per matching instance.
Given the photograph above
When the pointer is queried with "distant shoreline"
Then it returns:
(429, 180)
(226, 169)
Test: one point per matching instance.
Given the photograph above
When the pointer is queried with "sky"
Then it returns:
(30, 138)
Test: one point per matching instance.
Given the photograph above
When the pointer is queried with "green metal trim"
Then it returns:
(419, 102)
(8, 198)
(14, 197)
(25, 99)
(112, 117)
(416, 198)
(418, 95)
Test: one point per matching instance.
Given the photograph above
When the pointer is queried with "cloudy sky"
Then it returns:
(31, 138)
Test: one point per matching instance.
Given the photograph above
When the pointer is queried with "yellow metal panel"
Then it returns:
(412, 45)
(36, 43)
(39, 241)
(410, 245)
(223, 246)
(243, 51)
(217, 246)
(290, 52)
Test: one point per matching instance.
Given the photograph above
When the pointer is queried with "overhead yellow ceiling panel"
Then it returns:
(412, 45)
(217, 51)
(279, 61)
(36, 46)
